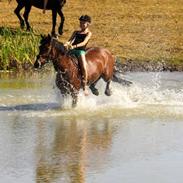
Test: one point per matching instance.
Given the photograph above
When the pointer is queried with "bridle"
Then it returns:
(46, 55)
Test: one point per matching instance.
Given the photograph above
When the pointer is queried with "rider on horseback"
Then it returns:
(77, 45)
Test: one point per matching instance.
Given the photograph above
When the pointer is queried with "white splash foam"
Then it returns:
(140, 95)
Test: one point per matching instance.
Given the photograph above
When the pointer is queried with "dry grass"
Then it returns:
(137, 29)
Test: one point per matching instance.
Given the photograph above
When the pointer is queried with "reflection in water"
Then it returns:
(103, 140)
(66, 158)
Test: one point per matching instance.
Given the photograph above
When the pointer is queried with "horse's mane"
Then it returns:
(60, 48)
(58, 45)
(54, 41)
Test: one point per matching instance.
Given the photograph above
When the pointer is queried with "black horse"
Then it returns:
(54, 5)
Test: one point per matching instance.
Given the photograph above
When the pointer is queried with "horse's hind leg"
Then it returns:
(108, 91)
(60, 29)
(26, 15)
(17, 12)
(93, 89)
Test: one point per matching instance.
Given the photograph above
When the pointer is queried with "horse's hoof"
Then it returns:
(74, 105)
(94, 91)
(60, 31)
(108, 92)
(54, 35)
(29, 29)
(22, 25)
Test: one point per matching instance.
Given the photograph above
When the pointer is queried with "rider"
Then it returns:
(44, 5)
(77, 43)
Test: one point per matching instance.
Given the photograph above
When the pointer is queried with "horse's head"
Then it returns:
(44, 51)
(49, 49)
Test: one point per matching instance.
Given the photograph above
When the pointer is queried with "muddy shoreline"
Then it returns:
(147, 66)
(122, 66)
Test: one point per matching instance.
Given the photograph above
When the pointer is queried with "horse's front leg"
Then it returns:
(17, 12)
(108, 91)
(74, 99)
(60, 29)
(26, 15)
(54, 20)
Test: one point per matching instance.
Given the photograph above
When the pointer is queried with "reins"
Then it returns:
(51, 46)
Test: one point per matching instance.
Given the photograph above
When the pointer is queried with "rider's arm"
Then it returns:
(71, 40)
(84, 42)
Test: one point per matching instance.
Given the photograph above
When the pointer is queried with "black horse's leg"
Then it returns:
(54, 19)
(26, 15)
(60, 29)
(108, 91)
(17, 12)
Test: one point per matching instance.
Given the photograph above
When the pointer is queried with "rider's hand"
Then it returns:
(68, 45)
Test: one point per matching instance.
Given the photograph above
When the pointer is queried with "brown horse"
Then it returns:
(100, 64)
(54, 5)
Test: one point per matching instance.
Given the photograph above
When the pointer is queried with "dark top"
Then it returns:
(78, 39)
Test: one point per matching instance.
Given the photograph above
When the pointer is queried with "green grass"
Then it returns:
(17, 48)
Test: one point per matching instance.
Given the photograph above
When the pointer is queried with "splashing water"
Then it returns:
(149, 93)
(137, 126)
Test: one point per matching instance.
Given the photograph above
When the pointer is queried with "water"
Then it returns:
(133, 136)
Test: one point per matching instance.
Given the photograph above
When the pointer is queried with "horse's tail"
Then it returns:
(117, 76)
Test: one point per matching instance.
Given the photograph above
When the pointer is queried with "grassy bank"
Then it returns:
(17, 49)
(136, 30)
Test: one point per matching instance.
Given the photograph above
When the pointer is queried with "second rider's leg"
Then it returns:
(44, 6)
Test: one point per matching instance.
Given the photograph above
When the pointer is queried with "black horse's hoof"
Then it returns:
(60, 31)
(53, 34)
(108, 92)
(29, 29)
(94, 91)
(22, 25)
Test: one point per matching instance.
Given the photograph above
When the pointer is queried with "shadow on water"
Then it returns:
(31, 107)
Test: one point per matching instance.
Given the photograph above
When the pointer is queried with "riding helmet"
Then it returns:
(85, 18)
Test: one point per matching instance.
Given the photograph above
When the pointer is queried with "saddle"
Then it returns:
(74, 59)
(76, 62)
